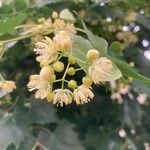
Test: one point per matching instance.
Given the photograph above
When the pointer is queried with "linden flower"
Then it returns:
(61, 25)
(38, 83)
(63, 41)
(62, 96)
(7, 86)
(46, 51)
(70, 27)
(42, 82)
(83, 94)
(100, 69)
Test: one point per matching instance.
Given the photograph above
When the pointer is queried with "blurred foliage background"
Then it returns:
(117, 119)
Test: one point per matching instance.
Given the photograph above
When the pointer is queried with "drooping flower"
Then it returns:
(100, 69)
(38, 83)
(41, 82)
(83, 95)
(7, 86)
(47, 73)
(46, 51)
(63, 41)
(62, 96)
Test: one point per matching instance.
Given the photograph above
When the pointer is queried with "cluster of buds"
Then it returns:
(49, 53)
(48, 25)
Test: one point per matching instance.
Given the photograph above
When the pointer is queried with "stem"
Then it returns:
(24, 25)
(13, 105)
(1, 77)
(17, 38)
(43, 128)
(41, 145)
(80, 60)
(66, 81)
(38, 144)
(34, 146)
(78, 69)
(63, 78)
(58, 80)
(81, 30)
(59, 57)
(2, 53)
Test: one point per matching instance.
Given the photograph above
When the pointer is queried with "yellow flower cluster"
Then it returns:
(49, 52)
(98, 70)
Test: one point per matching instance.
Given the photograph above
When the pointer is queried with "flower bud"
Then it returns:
(72, 60)
(92, 54)
(50, 96)
(71, 71)
(47, 72)
(87, 81)
(132, 64)
(130, 79)
(63, 41)
(53, 78)
(41, 20)
(72, 84)
(58, 66)
(66, 45)
(55, 15)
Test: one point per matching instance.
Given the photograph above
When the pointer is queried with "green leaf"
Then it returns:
(128, 143)
(130, 108)
(63, 138)
(65, 14)
(101, 44)
(43, 112)
(80, 48)
(143, 21)
(21, 4)
(9, 23)
(129, 71)
(10, 132)
(28, 143)
(99, 141)
(14, 128)
(116, 49)
(97, 42)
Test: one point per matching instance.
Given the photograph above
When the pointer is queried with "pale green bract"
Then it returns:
(80, 49)
(100, 44)
(65, 14)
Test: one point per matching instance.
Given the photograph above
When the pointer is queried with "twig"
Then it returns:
(13, 105)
